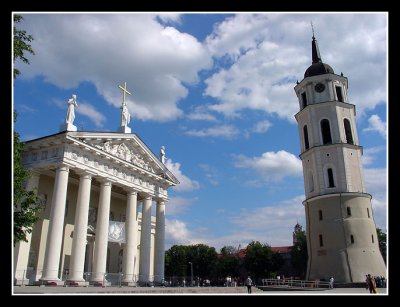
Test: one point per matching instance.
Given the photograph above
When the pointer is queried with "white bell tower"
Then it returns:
(341, 234)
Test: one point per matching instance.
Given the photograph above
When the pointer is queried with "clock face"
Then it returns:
(319, 87)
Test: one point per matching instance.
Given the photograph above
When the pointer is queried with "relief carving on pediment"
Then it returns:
(124, 152)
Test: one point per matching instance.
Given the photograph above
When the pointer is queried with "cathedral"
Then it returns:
(98, 190)
(341, 234)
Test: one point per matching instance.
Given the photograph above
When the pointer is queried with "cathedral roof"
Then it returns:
(317, 67)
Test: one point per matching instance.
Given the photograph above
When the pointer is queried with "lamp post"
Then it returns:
(191, 273)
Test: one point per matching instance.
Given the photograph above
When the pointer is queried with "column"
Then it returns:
(22, 248)
(101, 243)
(145, 242)
(56, 225)
(159, 246)
(131, 232)
(77, 264)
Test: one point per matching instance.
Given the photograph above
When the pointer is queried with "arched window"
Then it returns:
(331, 182)
(320, 215)
(347, 130)
(311, 182)
(304, 99)
(321, 241)
(326, 132)
(305, 132)
(351, 239)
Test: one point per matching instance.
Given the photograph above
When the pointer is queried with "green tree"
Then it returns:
(382, 242)
(299, 255)
(21, 44)
(228, 263)
(26, 203)
(260, 260)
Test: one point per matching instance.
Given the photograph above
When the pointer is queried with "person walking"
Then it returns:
(371, 286)
(249, 283)
(331, 282)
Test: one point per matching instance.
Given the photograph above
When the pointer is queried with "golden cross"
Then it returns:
(124, 91)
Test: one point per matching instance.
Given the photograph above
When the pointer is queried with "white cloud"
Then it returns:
(224, 131)
(25, 108)
(262, 126)
(211, 173)
(272, 166)
(376, 124)
(108, 49)
(90, 111)
(201, 113)
(178, 205)
(369, 154)
(265, 54)
(376, 185)
(170, 17)
(176, 232)
(186, 184)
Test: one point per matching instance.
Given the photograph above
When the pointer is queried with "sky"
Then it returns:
(217, 90)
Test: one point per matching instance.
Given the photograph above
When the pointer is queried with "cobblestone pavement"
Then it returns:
(31, 290)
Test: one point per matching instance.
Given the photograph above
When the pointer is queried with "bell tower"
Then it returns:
(341, 232)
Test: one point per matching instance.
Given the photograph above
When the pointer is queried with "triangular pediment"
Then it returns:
(128, 147)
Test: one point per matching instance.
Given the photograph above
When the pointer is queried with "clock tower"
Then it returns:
(341, 234)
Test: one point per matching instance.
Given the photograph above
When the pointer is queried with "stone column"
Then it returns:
(77, 264)
(22, 248)
(145, 242)
(100, 247)
(56, 225)
(159, 246)
(131, 229)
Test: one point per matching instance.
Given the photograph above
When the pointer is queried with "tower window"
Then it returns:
(330, 178)
(304, 99)
(320, 214)
(305, 132)
(351, 239)
(347, 130)
(326, 132)
(348, 211)
(339, 93)
(372, 237)
(321, 241)
(311, 182)
(368, 212)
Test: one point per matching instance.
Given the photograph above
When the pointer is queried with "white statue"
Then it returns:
(71, 110)
(162, 154)
(126, 117)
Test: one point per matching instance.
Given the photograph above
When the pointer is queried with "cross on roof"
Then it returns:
(124, 91)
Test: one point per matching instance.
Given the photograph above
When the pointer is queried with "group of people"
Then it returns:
(373, 282)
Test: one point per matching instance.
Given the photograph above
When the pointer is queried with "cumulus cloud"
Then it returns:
(178, 205)
(201, 113)
(223, 131)
(262, 126)
(376, 185)
(186, 184)
(272, 166)
(211, 173)
(176, 232)
(108, 49)
(90, 111)
(376, 124)
(266, 53)
(369, 154)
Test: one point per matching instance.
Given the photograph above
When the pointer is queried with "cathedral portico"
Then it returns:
(93, 183)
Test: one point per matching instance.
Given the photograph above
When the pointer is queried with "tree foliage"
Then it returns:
(26, 203)
(21, 44)
(261, 261)
(382, 242)
(299, 255)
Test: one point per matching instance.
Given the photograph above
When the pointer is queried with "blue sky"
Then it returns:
(217, 91)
